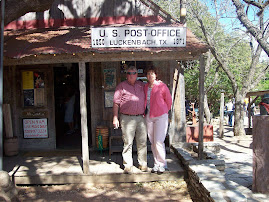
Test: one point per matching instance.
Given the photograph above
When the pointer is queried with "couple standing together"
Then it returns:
(142, 109)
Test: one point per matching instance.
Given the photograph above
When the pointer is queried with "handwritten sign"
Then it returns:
(138, 37)
(35, 128)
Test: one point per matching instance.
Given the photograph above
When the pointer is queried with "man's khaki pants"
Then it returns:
(134, 126)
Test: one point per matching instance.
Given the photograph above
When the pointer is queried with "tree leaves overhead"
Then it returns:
(218, 23)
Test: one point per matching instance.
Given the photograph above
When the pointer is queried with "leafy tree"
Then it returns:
(236, 56)
(233, 50)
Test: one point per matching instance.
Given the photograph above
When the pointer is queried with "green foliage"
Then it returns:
(232, 45)
(264, 84)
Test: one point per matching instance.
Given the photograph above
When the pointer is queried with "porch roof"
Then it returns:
(21, 44)
(257, 93)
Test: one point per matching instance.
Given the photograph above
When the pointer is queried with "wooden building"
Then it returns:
(47, 53)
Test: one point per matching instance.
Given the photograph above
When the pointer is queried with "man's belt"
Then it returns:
(133, 114)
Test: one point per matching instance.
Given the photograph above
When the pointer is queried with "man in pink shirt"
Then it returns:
(129, 101)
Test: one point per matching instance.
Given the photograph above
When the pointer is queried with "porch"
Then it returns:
(65, 167)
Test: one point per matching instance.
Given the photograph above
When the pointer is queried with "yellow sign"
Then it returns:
(27, 80)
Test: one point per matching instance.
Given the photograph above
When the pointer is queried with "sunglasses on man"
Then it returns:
(131, 73)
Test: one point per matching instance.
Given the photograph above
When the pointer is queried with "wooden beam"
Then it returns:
(92, 95)
(201, 106)
(7, 120)
(257, 93)
(221, 128)
(83, 112)
(177, 130)
(103, 57)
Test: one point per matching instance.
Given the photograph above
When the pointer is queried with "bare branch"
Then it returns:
(258, 77)
(254, 31)
(254, 3)
(214, 81)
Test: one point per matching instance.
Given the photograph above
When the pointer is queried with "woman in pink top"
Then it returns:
(158, 102)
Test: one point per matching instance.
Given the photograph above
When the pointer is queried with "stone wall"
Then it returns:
(193, 179)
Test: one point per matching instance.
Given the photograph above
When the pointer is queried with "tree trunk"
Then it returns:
(239, 116)
(17, 8)
(207, 111)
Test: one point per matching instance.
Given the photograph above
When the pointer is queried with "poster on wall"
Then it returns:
(33, 88)
(27, 80)
(109, 78)
(28, 97)
(109, 95)
(35, 128)
(39, 80)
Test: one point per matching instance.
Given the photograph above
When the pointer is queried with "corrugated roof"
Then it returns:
(23, 43)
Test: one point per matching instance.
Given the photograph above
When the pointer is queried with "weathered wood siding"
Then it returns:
(13, 95)
(86, 12)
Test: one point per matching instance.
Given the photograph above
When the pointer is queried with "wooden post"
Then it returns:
(83, 112)
(249, 113)
(7, 120)
(221, 121)
(92, 106)
(177, 130)
(201, 107)
(1, 80)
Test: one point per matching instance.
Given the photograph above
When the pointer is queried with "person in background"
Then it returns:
(129, 101)
(158, 102)
(69, 109)
(230, 108)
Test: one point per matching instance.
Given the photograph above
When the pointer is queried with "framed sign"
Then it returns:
(108, 37)
(109, 95)
(35, 128)
(109, 78)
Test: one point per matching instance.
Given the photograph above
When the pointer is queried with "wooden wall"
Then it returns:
(98, 114)
(87, 12)
(13, 95)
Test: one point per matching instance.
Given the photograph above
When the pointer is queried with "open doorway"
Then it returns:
(67, 107)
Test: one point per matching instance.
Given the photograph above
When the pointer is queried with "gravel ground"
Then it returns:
(151, 191)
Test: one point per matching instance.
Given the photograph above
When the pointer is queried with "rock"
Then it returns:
(8, 191)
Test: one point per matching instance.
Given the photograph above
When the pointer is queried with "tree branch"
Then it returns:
(254, 31)
(216, 55)
(258, 77)
(14, 9)
(214, 81)
(253, 3)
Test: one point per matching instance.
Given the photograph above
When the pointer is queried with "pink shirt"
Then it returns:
(130, 98)
(160, 99)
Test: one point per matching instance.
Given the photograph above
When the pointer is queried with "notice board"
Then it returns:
(35, 128)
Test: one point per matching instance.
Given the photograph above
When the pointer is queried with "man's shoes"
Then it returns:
(128, 170)
(144, 168)
(155, 169)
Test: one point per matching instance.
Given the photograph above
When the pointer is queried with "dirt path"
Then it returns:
(150, 191)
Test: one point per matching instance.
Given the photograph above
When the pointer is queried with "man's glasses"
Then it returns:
(131, 73)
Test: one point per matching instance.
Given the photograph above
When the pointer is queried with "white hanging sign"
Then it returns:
(110, 37)
(35, 128)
